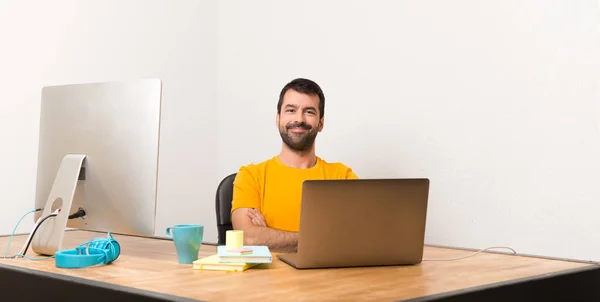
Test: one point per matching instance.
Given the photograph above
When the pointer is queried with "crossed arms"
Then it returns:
(256, 231)
(245, 217)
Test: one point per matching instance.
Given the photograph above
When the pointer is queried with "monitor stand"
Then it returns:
(49, 235)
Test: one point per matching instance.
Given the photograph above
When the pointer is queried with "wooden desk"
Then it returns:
(151, 265)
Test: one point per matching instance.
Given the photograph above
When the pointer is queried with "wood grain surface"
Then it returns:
(151, 264)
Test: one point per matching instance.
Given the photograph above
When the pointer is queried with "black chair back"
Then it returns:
(223, 207)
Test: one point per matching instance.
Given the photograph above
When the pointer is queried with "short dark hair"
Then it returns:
(305, 86)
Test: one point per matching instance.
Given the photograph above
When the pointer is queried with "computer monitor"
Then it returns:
(98, 151)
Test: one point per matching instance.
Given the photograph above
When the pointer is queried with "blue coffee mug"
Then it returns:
(187, 238)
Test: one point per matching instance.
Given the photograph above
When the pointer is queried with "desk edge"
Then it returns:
(94, 283)
(479, 288)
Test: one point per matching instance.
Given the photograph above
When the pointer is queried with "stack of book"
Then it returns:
(235, 259)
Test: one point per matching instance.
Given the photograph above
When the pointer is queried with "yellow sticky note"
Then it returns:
(234, 239)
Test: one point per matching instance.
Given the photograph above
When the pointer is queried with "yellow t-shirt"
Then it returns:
(276, 189)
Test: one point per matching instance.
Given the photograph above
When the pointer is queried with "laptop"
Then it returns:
(361, 222)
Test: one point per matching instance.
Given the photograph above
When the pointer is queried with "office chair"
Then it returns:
(223, 207)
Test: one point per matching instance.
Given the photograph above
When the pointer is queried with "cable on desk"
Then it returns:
(15, 229)
(34, 230)
(471, 255)
(31, 258)
(80, 213)
(30, 237)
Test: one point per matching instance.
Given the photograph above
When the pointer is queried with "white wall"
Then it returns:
(493, 101)
(63, 42)
(496, 102)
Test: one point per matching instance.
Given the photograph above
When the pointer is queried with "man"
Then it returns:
(267, 196)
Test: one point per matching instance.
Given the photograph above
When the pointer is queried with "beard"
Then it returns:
(298, 141)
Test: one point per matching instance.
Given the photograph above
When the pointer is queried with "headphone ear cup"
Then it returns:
(96, 251)
(114, 250)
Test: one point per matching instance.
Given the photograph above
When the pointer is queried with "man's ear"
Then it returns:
(321, 124)
(277, 121)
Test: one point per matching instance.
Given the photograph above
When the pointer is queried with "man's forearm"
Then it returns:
(274, 239)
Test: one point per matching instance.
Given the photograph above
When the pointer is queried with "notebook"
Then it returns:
(212, 263)
(260, 254)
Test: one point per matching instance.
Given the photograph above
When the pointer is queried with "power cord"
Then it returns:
(15, 229)
(24, 251)
(471, 255)
(80, 213)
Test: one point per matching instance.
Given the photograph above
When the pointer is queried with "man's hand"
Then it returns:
(257, 217)
(253, 223)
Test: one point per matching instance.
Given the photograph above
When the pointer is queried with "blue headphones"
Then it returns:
(93, 252)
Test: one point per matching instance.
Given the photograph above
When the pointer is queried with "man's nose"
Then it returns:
(299, 117)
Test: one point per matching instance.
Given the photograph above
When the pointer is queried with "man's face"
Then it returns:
(299, 121)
